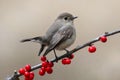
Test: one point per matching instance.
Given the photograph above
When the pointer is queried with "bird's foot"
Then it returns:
(68, 53)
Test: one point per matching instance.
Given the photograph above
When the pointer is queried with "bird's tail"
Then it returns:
(35, 39)
(47, 51)
(40, 40)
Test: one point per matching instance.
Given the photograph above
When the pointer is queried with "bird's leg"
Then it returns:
(55, 55)
(67, 52)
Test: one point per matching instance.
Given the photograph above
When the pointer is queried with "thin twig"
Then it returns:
(16, 75)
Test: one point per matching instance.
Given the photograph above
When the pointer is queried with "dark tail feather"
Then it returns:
(41, 49)
(35, 39)
(25, 40)
(47, 51)
(50, 48)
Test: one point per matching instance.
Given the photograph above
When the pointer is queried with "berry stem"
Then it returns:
(16, 75)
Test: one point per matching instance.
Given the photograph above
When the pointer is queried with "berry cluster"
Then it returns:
(92, 48)
(46, 66)
(67, 60)
(26, 72)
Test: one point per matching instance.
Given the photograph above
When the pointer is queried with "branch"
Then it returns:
(16, 74)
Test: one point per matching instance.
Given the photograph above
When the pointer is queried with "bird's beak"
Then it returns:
(75, 17)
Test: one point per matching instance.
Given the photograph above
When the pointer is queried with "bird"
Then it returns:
(59, 36)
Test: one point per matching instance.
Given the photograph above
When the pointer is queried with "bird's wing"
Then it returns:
(61, 35)
(52, 30)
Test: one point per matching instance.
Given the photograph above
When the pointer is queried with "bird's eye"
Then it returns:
(66, 18)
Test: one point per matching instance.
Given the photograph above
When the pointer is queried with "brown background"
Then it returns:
(21, 19)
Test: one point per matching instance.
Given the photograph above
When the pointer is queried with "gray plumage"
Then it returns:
(60, 35)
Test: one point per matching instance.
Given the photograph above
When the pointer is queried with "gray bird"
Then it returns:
(60, 35)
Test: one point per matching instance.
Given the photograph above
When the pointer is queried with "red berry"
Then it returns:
(67, 61)
(31, 76)
(50, 64)
(71, 56)
(27, 74)
(42, 68)
(49, 70)
(103, 39)
(41, 72)
(44, 64)
(64, 61)
(92, 49)
(31, 73)
(21, 70)
(43, 58)
(28, 67)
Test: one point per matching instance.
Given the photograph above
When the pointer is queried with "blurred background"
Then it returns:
(20, 19)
